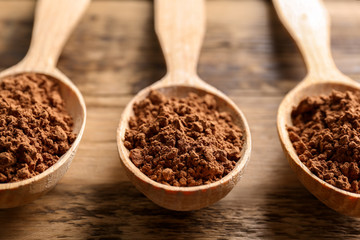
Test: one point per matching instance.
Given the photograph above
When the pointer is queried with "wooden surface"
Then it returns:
(113, 54)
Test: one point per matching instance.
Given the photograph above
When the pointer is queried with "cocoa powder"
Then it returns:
(35, 129)
(183, 141)
(326, 137)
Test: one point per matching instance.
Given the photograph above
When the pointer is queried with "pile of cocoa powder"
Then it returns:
(183, 141)
(326, 137)
(35, 129)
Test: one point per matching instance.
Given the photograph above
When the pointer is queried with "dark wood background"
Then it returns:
(114, 53)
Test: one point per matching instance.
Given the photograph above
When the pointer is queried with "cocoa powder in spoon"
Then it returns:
(326, 137)
(35, 129)
(183, 141)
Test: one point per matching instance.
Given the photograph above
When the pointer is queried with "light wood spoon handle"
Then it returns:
(308, 23)
(180, 27)
(54, 21)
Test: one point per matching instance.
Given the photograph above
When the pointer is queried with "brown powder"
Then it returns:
(35, 129)
(183, 141)
(326, 136)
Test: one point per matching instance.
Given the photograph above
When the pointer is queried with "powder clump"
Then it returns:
(183, 141)
(326, 137)
(35, 129)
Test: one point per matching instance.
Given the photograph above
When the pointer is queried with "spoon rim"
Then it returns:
(284, 134)
(60, 77)
(239, 167)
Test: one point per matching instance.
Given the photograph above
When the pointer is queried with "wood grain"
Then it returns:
(113, 54)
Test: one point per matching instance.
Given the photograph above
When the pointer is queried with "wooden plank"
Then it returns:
(113, 54)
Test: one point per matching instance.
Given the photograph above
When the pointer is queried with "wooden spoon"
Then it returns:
(180, 26)
(54, 21)
(308, 23)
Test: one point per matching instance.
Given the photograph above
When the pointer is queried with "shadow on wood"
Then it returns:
(289, 64)
(17, 35)
(296, 214)
(151, 62)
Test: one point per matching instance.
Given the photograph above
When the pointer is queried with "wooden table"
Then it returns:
(113, 54)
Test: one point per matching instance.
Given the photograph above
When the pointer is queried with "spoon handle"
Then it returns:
(54, 21)
(180, 27)
(308, 23)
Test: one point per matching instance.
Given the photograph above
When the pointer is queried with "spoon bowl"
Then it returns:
(180, 27)
(340, 200)
(184, 198)
(41, 59)
(308, 23)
